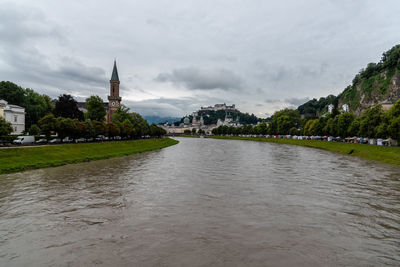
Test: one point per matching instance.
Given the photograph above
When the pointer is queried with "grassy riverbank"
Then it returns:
(28, 158)
(390, 155)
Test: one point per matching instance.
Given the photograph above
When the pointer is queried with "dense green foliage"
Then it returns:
(125, 124)
(373, 123)
(314, 107)
(36, 105)
(34, 130)
(66, 120)
(95, 108)
(17, 159)
(67, 107)
(372, 83)
(390, 155)
(5, 127)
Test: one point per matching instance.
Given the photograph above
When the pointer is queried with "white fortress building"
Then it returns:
(198, 121)
(217, 107)
(13, 114)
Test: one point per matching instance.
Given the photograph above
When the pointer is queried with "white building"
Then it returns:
(217, 107)
(330, 108)
(345, 108)
(13, 114)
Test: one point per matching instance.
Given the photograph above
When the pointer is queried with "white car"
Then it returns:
(54, 141)
(67, 140)
(24, 140)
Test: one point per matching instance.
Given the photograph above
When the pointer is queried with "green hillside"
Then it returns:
(377, 83)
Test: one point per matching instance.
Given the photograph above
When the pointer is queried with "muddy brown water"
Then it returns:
(204, 202)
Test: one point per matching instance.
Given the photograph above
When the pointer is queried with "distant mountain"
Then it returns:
(157, 119)
(377, 83)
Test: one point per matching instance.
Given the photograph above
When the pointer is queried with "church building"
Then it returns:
(114, 100)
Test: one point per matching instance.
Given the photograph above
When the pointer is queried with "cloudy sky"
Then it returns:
(175, 56)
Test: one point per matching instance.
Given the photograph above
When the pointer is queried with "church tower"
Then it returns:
(114, 100)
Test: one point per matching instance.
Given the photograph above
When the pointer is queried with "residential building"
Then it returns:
(13, 114)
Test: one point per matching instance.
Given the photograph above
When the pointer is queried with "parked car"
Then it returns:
(117, 138)
(67, 140)
(55, 141)
(41, 141)
(89, 139)
(80, 140)
(100, 138)
(29, 139)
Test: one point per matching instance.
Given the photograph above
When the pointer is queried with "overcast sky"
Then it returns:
(175, 56)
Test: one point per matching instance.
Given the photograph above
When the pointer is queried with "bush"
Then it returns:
(34, 130)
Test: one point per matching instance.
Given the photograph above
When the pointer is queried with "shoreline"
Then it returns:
(383, 154)
(18, 160)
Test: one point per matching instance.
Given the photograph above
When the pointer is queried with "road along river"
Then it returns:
(204, 202)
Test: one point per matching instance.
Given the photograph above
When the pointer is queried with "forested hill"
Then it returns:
(377, 83)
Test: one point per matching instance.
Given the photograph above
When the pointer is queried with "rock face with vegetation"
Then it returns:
(376, 84)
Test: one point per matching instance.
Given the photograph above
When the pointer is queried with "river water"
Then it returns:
(204, 202)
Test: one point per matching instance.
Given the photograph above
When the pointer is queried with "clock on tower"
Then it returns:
(114, 99)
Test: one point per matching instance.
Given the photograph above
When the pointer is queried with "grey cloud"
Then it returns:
(19, 26)
(243, 52)
(23, 30)
(270, 101)
(297, 101)
(174, 107)
(202, 79)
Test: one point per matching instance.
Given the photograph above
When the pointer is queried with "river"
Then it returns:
(204, 202)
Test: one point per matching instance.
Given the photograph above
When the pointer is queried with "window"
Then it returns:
(113, 89)
(15, 129)
(15, 118)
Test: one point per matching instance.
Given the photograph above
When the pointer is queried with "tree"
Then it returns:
(80, 129)
(67, 107)
(90, 130)
(187, 131)
(309, 127)
(65, 127)
(95, 108)
(370, 119)
(262, 128)
(122, 114)
(36, 105)
(381, 131)
(344, 121)
(48, 124)
(126, 128)
(112, 129)
(99, 127)
(34, 129)
(140, 125)
(394, 129)
(283, 120)
(354, 127)
(156, 131)
(5, 127)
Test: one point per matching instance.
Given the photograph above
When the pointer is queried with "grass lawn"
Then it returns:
(390, 155)
(27, 158)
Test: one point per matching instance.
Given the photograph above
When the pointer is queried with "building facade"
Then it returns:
(13, 114)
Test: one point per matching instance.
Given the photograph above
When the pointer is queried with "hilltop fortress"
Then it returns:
(195, 121)
(217, 107)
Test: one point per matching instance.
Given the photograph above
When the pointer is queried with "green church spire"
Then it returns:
(114, 76)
